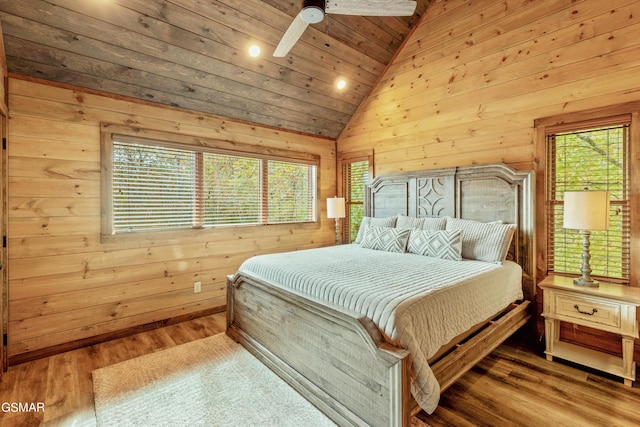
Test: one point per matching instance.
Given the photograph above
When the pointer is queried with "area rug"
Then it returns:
(209, 382)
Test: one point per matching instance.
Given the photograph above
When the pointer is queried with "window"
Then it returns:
(157, 185)
(590, 155)
(355, 175)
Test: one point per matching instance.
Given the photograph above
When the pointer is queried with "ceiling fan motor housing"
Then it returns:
(312, 11)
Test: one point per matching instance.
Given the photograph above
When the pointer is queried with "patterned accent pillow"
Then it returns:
(374, 222)
(444, 244)
(435, 223)
(404, 221)
(483, 241)
(385, 239)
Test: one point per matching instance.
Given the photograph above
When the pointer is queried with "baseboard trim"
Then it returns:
(86, 342)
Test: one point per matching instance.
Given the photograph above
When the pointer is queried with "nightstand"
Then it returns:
(610, 307)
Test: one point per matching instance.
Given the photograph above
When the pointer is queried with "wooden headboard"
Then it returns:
(494, 192)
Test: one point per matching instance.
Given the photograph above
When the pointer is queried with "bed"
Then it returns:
(362, 331)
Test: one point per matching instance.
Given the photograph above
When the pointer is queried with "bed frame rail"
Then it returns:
(451, 367)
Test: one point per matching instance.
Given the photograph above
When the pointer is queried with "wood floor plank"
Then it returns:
(111, 352)
(513, 386)
(26, 383)
(148, 342)
(587, 392)
(516, 387)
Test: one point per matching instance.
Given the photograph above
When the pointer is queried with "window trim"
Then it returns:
(202, 144)
(541, 127)
(342, 160)
(621, 121)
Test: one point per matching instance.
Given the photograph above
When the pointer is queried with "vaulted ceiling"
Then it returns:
(194, 54)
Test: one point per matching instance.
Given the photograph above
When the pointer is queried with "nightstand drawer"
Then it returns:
(587, 310)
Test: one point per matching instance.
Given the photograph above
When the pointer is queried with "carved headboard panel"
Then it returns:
(485, 193)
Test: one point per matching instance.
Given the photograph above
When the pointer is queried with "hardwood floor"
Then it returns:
(518, 387)
(63, 382)
(512, 386)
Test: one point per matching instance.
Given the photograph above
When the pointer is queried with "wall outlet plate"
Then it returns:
(197, 287)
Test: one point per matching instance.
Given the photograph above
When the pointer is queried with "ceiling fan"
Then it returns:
(313, 11)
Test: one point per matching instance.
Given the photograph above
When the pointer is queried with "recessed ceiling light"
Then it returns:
(341, 84)
(254, 51)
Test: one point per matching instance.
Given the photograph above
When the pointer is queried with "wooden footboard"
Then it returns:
(335, 358)
(338, 360)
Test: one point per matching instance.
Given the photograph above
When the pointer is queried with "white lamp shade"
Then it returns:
(335, 207)
(586, 210)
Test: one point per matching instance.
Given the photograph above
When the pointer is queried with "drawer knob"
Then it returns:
(593, 310)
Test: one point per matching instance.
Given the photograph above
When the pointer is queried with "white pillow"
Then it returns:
(444, 244)
(404, 221)
(425, 223)
(483, 241)
(435, 223)
(385, 239)
(374, 222)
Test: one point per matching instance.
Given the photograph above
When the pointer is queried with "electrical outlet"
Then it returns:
(197, 287)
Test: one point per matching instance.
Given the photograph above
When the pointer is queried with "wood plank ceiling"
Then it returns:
(193, 54)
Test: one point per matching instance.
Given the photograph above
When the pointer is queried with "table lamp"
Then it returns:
(335, 209)
(586, 211)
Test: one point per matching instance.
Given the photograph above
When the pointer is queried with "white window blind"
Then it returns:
(162, 187)
(590, 156)
(153, 187)
(231, 190)
(291, 192)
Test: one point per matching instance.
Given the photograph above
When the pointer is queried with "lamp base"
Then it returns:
(587, 283)
(586, 280)
(338, 236)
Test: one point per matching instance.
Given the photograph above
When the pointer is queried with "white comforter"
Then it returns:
(419, 303)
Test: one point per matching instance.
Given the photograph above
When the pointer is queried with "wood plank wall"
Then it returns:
(472, 78)
(4, 285)
(65, 285)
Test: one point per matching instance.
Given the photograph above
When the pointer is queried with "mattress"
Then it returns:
(417, 302)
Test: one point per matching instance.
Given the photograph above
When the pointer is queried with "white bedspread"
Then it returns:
(419, 303)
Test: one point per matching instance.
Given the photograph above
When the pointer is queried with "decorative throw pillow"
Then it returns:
(444, 244)
(374, 222)
(483, 241)
(385, 239)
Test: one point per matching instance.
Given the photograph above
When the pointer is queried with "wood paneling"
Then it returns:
(193, 54)
(66, 285)
(4, 285)
(474, 76)
(466, 88)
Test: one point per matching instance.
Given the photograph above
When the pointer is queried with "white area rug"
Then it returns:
(209, 382)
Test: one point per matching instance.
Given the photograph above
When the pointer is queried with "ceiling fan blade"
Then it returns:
(291, 36)
(371, 7)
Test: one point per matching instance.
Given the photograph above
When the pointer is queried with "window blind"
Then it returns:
(355, 175)
(291, 192)
(153, 187)
(231, 190)
(591, 156)
(160, 187)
